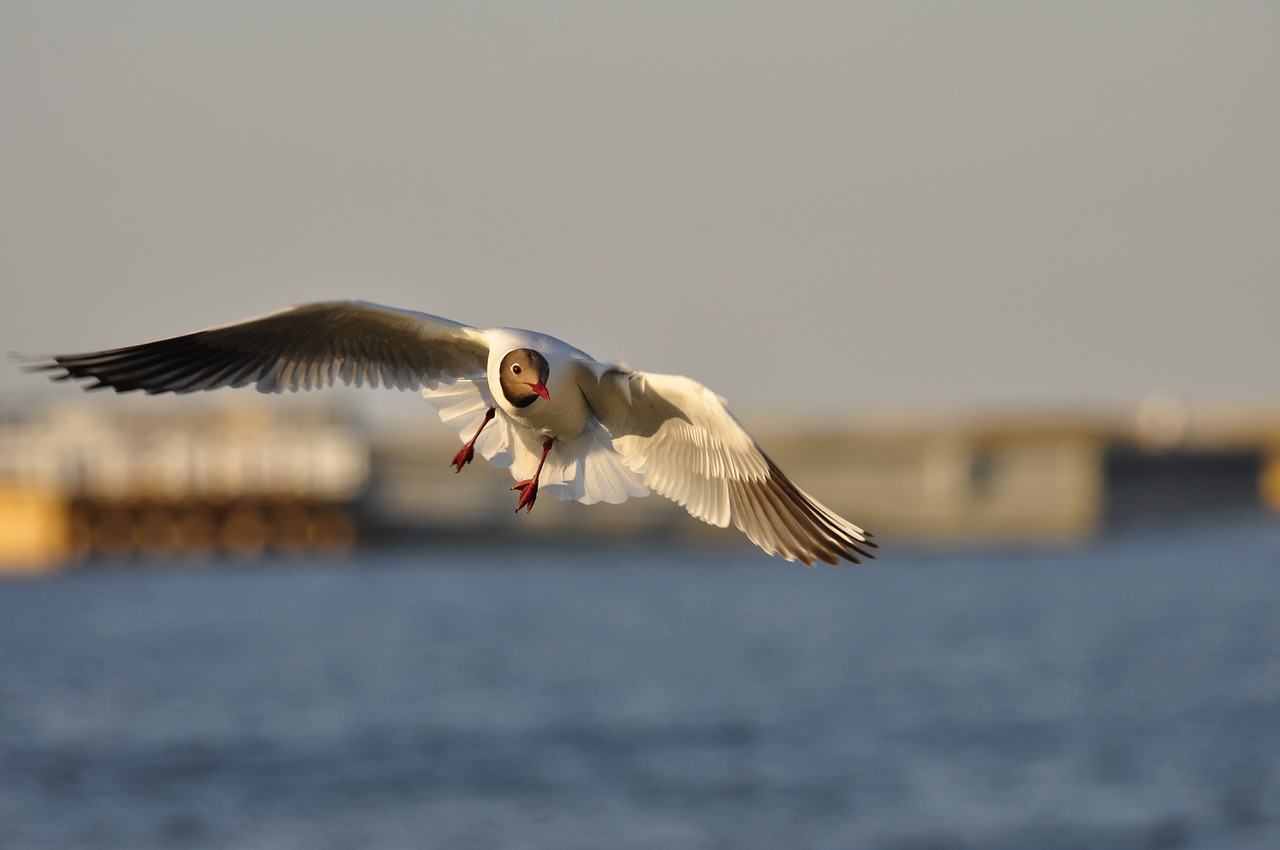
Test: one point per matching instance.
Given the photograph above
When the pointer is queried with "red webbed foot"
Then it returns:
(468, 452)
(529, 487)
(463, 457)
(528, 494)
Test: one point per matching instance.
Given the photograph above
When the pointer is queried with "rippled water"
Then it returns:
(1124, 696)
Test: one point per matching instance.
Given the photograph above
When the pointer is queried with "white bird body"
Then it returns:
(562, 422)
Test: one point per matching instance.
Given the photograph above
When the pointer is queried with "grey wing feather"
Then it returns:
(682, 439)
(303, 347)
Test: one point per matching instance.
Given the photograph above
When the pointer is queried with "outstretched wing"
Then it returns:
(311, 345)
(682, 440)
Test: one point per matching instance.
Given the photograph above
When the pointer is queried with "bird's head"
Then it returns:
(523, 376)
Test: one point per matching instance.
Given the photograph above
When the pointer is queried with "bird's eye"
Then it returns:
(515, 369)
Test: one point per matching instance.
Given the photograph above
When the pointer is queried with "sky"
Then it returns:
(807, 206)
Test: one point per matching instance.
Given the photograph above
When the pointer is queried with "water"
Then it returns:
(1125, 696)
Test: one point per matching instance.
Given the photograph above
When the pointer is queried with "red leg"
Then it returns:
(529, 487)
(463, 457)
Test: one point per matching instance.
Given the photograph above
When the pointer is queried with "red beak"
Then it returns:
(539, 388)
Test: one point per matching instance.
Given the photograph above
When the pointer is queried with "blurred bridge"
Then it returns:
(78, 482)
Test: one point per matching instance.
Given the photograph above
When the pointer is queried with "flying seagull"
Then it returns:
(564, 423)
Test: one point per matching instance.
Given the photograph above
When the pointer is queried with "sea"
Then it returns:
(1124, 693)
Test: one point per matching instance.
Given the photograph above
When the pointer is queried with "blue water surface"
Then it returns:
(1125, 695)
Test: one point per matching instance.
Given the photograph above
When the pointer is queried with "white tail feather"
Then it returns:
(585, 469)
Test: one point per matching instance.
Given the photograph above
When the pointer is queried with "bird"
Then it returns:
(564, 423)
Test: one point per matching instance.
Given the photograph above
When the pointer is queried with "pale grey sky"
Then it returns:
(826, 205)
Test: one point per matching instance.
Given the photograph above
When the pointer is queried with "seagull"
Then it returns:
(564, 423)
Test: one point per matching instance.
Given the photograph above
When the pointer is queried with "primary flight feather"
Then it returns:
(564, 423)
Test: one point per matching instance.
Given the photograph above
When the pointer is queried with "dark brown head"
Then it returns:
(523, 377)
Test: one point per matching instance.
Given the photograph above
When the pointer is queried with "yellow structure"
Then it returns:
(34, 534)
(76, 482)
(1269, 481)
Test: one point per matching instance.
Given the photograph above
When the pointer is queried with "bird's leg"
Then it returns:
(463, 457)
(529, 487)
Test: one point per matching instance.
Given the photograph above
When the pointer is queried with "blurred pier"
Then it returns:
(78, 484)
